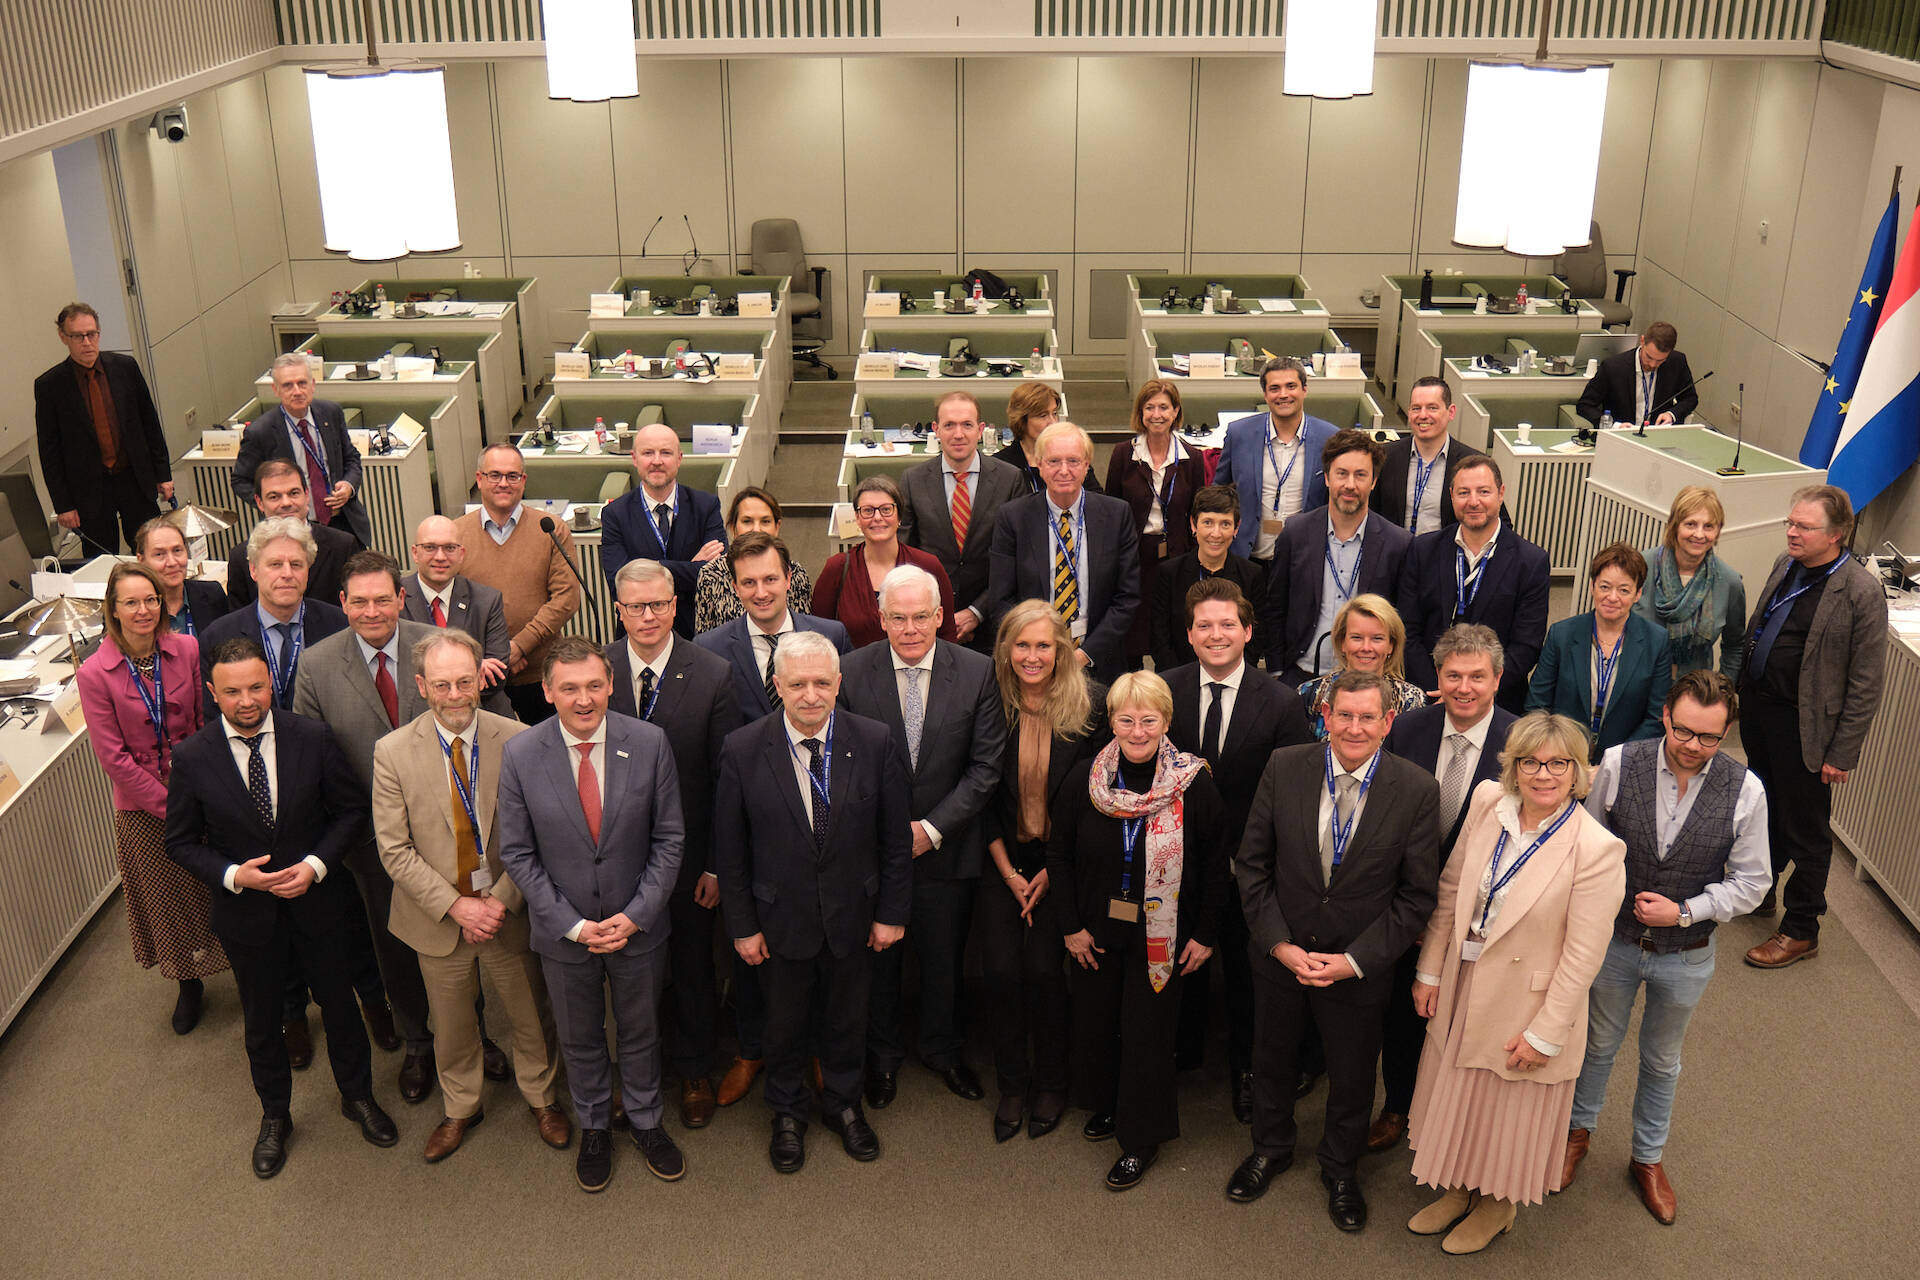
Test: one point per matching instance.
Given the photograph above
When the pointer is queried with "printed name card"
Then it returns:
(9, 782)
(1343, 365)
(1207, 364)
(64, 712)
(756, 304)
(874, 364)
(606, 306)
(883, 304)
(220, 442)
(712, 437)
(734, 365)
(572, 364)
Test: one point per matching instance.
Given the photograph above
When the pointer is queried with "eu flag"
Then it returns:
(1823, 433)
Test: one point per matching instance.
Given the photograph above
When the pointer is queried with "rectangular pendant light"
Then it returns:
(385, 160)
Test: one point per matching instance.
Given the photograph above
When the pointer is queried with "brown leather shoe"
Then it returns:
(448, 1135)
(379, 1018)
(1779, 951)
(1577, 1142)
(1386, 1132)
(299, 1043)
(738, 1080)
(1655, 1191)
(696, 1103)
(555, 1129)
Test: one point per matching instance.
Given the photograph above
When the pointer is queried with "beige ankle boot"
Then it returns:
(1442, 1213)
(1489, 1218)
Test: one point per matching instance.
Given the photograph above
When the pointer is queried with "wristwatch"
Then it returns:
(1686, 917)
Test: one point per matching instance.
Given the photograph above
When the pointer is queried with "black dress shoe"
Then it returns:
(1048, 1107)
(376, 1126)
(856, 1135)
(270, 1148)
(299, 1043)
(1006, 1116)
(1249, 1181)
(1243, 1096)
(379, 1016)
(1304, 1085)
(186, 1009)
(1130, 1168)
(1099, 1127)
(882, 1088)
(493, 1060)
(962, 1083)
(663, 1157)
(417, 1076)
(1345, 1205)
(593, 1167)
(788, 1150)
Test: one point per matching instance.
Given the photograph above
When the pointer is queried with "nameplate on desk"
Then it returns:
(572, 364)
(606, 306)
(220, 442)
(883, 304)
(9, 782)
(1343, 364)
(874, 364)
(1207, 364)
(756, 304)
(734, 365)
(362, 441)
(406, 428)
(64, 712)
(712, 437)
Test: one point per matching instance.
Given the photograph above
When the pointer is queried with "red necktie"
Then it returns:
(962, 510)
(439, 614)
(316, 474)
(589, 790)
(389, 696)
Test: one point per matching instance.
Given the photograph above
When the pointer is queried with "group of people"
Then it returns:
(1433, 839)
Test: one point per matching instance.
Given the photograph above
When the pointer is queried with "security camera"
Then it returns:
(170, 124)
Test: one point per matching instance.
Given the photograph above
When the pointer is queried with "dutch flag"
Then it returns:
(1880, 436)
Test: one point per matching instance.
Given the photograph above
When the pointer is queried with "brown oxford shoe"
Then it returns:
(1386, 1133)
(448, 1135)
(696, 1103)
(1779, 951)
(1655, 1191)
(555, 1129)
(1577, 1142)
(738, 1080)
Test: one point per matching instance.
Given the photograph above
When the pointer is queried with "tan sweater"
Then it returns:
(541, 596)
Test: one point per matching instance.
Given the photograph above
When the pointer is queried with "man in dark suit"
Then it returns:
(1075, 549)
(1650, 384)
(1459, 742)
(943, 705)
(279, 490)
(590, 830)
(361, 683)
(1337, 873)
(1325, 557)
(1236, 717)
(437, 594)
(813, 840)
(312, 434)
(950, 506)
(762, 570)
(262, 806)
(1274, 459)
(283, 619)
(102, 452)
(663, 520)
(1413, 491)
(1477, 570)
(688, 693)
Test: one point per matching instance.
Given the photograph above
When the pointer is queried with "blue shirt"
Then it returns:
(1346, 557)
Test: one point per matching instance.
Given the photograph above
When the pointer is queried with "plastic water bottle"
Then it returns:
(979, 294)
(600, 432)
(1521, 297)
(1606, 421)
(380, 294)
(1036, 362)
(866, 428)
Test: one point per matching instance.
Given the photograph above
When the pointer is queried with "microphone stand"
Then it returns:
(650, 230)
(546, 527)
(693, 254)
(1740, 437)
(1660, 408)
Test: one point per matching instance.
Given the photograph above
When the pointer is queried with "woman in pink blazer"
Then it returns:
(1527, 903)
(141, 694)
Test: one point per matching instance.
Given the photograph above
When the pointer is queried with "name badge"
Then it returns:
(1121, 909)
(1470, 949)
(482, 878)
(1078, 629)
(1270, 524)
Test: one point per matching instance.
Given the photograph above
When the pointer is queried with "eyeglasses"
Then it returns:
(1683, 734)
(917, 619)
(876, 513)
(644, 608)
(1794, 526)
(92, 335)
(503, 477)
(1349, 719)
(1556, 768)
(438, 548)
(144, 602)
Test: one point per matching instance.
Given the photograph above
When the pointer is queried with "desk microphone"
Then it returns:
(1740, 435)
(546, 527)
(693, 255)
(1662, 407)
(650, 230)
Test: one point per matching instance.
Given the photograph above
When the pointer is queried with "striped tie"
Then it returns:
(1066, 586)
(962, 510)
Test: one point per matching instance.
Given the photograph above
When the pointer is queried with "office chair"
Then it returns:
(1584, 270)
(15, 564)
(775, 246)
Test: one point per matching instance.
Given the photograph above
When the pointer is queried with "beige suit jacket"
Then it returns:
(413, 825)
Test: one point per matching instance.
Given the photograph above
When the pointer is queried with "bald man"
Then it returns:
(437, 594)
(663, 520)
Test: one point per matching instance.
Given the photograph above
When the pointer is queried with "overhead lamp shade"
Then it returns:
(1530, 157)
(385, 161)
(1330, 47)
(590, 55)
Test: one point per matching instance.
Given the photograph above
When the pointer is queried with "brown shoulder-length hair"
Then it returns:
(1028, 399)
(1148, 390)
(1069, 706)
(121, 572)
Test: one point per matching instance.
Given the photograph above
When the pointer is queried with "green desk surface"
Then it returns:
(1543, 440)
(1705, 447)
(1301, 307)
(1473, 380)
(925, 310)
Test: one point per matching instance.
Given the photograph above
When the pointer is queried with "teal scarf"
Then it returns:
(1685, 609)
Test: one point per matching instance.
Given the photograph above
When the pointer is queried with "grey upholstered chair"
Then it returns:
(1584, 268)
(777, 251)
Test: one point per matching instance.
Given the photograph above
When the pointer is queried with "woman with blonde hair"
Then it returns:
(1698, 597)
(1367, 636)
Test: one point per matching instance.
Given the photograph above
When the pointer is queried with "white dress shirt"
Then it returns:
(763, 648)
(444, 595)
(1156, 514)
(658, 666)
(1476, 736)
(1292, 497)
(1359, 807)
(242, 756)
(466, 737)
(925, 668)
(1229, 694)
(599, 757)
(1078, 627)
(1749, 871)
(972, 472)
(801, 758)
(298, 451)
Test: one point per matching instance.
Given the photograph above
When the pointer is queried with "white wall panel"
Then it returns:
(1130, 165)
(558, 161)
(36, 278)
(789, 148)
(1783, 122)
(1719, 177)
(1829, 236)
(1360, 149)
(1018, 123)
(902, 131)
(1679, 112)
(670, 161)
(1250, 173)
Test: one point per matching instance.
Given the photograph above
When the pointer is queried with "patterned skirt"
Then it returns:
(167, 909)
(1474, 1128)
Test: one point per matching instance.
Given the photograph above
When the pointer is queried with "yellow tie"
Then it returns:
(1066, 584)
(466, 844)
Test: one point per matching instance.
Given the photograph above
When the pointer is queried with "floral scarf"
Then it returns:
(1164, 808)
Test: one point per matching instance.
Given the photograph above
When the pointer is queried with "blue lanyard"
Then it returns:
(283, 686)
(1780, 602)
(299, 438)
(1174, 458)
(1466, 586)
(1342, 834)
(1346, 589)
(183, 620)
(647, 507)
(156, 702)
(1422, 476)
(1605, 666)
(473, 772)
(823, 785)
(646, 712)
(1071, 554)
(1499, 881)
(1130, 829)
(1280, 485)
(1647, 379)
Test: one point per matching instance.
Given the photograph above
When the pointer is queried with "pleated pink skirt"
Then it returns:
(1471, 1128)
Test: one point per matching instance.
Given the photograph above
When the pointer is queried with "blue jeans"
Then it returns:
(1675, 982)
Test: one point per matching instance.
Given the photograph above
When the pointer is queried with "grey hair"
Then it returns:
(904, 576)
(441, 637)
(287, 360)
(1467, 639)
(641, 571)
(274, 528)
(798, 645)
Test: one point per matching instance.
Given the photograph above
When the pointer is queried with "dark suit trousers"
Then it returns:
(819, 1001)
(579, 994)
(1026, 989)
(1404, 1033)
(1799, 811)
(399, 963)
(261, 973)
(1123, 1038)
(1196, 1006)
(530, 703)
(119, 506)
(937, 931)
(1348, 1016)
(363, 966)
(695, 989)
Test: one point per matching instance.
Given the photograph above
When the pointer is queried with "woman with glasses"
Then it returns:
(754, 510)
(1031, 409)
(1527, 902)
(1696, 596)
(141, 694)
(1609, 668)
(191, 603)
(1156, 476)
(849, 587)
(1367, 636)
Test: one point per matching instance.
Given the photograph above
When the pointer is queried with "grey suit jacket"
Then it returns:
(926, 522)
(266, 437)
(1843, 666)
(335, 684)
(696, 707)
(564, 874)
(481, 612)
(1023, 570)
(962, 739)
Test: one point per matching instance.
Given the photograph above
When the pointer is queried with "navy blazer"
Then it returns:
(734, 641)
(1245, 453)
(1390, 490)
(626, 533)
(266, 437)
(1511, 599)
(926, 524)
(206, 600)
(1563, 684)
(1612, 388)
(1299, 567)
(1267, 715)
(1416, 736)
(322, 620)
(1023, 570)
(773, 879)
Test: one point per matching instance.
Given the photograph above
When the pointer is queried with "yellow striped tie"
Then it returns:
(1066, 584)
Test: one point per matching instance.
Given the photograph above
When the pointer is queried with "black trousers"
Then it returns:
(1348, 1017)
(1404, 1033)
(1123, 1040)
(1799, 811)
(1196, 1004)
(819, 1002)
(1026, 990)
(260, 973)
(942, 913)
(363, 965)
(530, 703)
(121, 505)
(694, 988)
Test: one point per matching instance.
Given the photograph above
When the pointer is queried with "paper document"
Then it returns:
(1277, 304)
